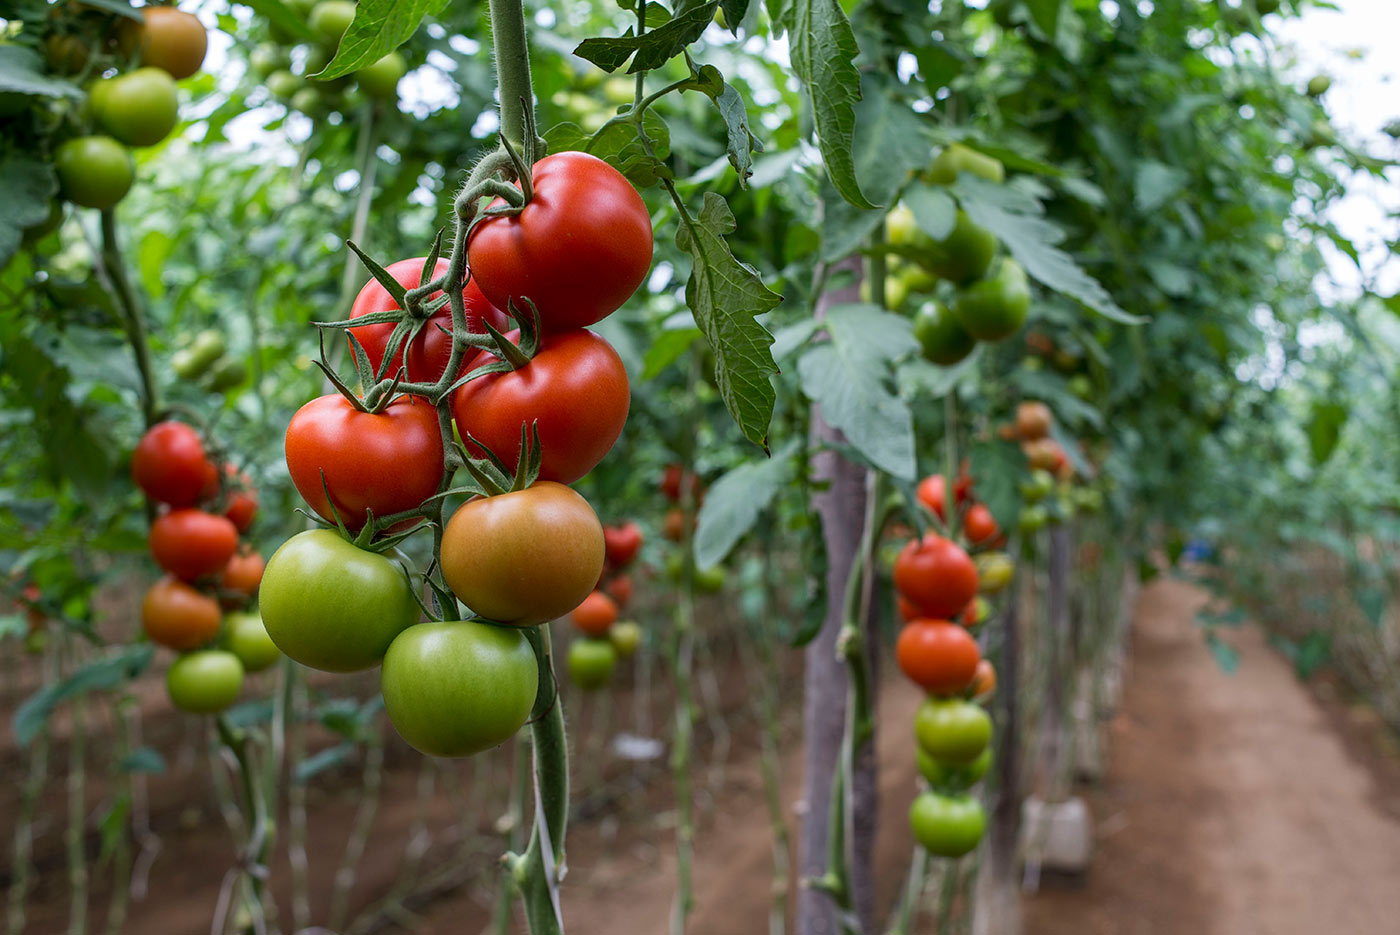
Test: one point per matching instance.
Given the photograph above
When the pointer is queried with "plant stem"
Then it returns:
(254, 854)
(913, 889)
(77, 817)
(512, 68)
(22, 864)
(133, 321)
(538, 871)
(367, 162)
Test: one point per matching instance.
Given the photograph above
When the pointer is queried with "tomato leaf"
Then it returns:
(742, 144)
(725, 296)
(823, 50)
(652, 49)
(22, 71)
(100, 675)
(379, 27)
(734, 503)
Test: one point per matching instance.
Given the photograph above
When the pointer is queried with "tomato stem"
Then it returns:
(132, 318)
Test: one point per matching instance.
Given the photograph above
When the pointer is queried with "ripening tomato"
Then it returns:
(169, 39)
(622, 543)
(938, 656)
(388, 462)
(947, 825)
(1033, 420)
(591, 661)
(191, 543)
(673, 525)
(523, 557)
(984, 682)
(994, 572)
(976, 613)
(979, 524)
(204, 682)
(431, 348)
(242, 575)
(578, 250)
(175, 615)
(620, 589)
(936, 575)
(1043, 453)
(951, 729)
(169, 464)
(595, 615)
(574, 389)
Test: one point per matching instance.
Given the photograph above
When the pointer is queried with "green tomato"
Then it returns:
(139, 108)
(191, 361)
(961, 257)
(709, 580)
(625, 636)
(1038, 486)
(454, 689)
(947, 825)
(901, 229)
(330, 18)
(227, 374)
(380, 80)
(959, 158)
(591, 661)
(1318, 85)
(1081, 386)
(308, 101)
(332, 606)
(266, 59)
(941, 775)
(204, 682)
(283, 84)
(246, 637)
(1032, 519)
(941, 336)
(1089, 499)
(994, 572)
(94, 171)
(952, 730)
(995, 307)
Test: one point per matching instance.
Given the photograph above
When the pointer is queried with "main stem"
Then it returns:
(133, 321)
(512, 68)
(539, 870)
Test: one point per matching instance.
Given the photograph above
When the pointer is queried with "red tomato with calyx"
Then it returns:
(619, 588)
(940, 657)
(595, 615)
(979, 524)
(578, 250)
(243, 574)
(622, 543)
(936, 575)
(170, 464)
(388, 462)
(575, 388)
(191, 543)
(431, 348)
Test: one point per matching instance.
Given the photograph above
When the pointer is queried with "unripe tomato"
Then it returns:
(1033, 420)
(578, 250)
(595, 615)
(994, 572)
(980, 525)
(620, 589)
(94, 171)
(948, 826)
(247, 638)
(574, 390)
(332, 606)
(139, 108)
(171, 40)
(191, 361)
(941, 336)
(961, 257)
(591, 662)
(204, 682)
(1318, 85)
(984, 682)
(524, 557)
(625, 636)
(959, 158)
(309, 101)
(951, 729)
(957, 776)
(242, 575)
(330, 18)
(266, 59)
(1038, 486)
(388, 462)
(458, 688)
(936, 575)
(995, 307)
(622, 543)
(380, 80)
(169, 464)
(1032, 519)
(175, 615)
(191, 543)
(65, 53)
(709, 580)
(283, 84)
(938, 656)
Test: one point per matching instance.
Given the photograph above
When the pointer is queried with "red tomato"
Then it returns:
(933, 494)
(980, 525)
(622, 543)
(939, 656)
(192, 543)
(936, 576)
(984, 680)
(242, 507)
(243, 574)
(672, 480)
(388, 462)
(907, 611)
(619, 588)
(575, 387)
(579, 250)
(673, 526)
(170, 465)
(595, 615)
(431, 348)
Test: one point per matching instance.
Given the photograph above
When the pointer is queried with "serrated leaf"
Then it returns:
(823, 49)
(101, 674)
(653, 48)
(379, 27)
(917, 376)
(724, 295)
(741, 143)
(667, 349)
(734, 503)
(619, 145)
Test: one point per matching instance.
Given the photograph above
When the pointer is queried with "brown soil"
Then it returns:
(1234, 804)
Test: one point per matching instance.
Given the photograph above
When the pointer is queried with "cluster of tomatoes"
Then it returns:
(195, 539)
(1051, 471)
(606, 639)
(526, 552)
(272, 63)
(679, 522)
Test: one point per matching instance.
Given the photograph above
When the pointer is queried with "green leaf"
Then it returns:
(734, 503)
(823, 49)
(22, 71)
(379, 27)
(620, 146)
(917, 376)
(725, 295)
(741, 143)
(143, 760)
(934, 209)
(652, 49)
(151, 257)
(1046, 15)
(850, 377)
(1325, 429)
(285, 18)
(1155, 183)
(999, 467)
(102, 674)
(27, 189)
(667, 349)
(322, 761)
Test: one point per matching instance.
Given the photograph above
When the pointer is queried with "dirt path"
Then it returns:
(1233, 804)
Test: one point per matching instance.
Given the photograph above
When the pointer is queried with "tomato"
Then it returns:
(975, 613)
(266, 59)
(959, 158)
(177, 616)
(943, 339)
(246, 637)
(591, 662)
(907, 611)
(942, 775)
(1318, 85)
(1088, 499)
(380, 79)
(936, 575)
(619, 589)
(932, 492)
(66, 54)
(579, 250)
(1080, 385)
(431, 348)
(330, 18)
(169, 464)
(951, 729)
(938, 656)
(457, 688)
(204, 682)
(171, 40)
(94, 171)
(574, 389)
(595, 614)
(622, 543)
(995, 307)
(242, 507)
(243, 573)
(388, 462)
(709, 580)
(194, 359)
(332, 606)
(310, 101)
(1032, 519)
(191, 543)
(1038, 486)
(673, 525)
(1033, 420)
(961, 257)
(947, 825)
(625, 636)
(994, 572)
(524, 557)
(1043, 453)
(139, 108)
(283, 84)
(984, 682)
(979, 524)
